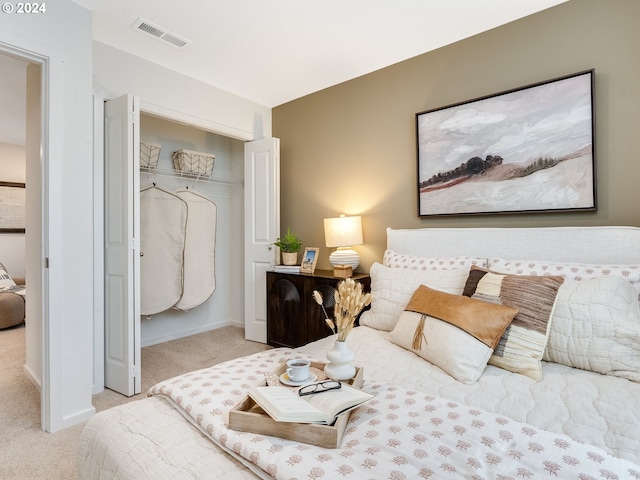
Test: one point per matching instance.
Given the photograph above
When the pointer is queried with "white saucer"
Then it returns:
(284, 378)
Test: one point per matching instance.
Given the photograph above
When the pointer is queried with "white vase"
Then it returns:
(340, 366)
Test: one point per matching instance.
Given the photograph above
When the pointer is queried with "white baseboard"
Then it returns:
(33, 378)
(79, 417)
(188, 332)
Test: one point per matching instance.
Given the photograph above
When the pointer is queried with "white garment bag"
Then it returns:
(163, 222)
(199, 253)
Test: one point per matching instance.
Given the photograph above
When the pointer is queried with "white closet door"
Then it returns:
(122, 261)
(261, 227)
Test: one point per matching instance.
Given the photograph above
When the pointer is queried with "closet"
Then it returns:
(245, 189)
(224, 190)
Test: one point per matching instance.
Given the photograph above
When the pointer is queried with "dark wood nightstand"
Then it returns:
(293, 316)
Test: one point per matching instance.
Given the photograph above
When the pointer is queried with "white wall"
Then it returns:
(225, 306)
(61, 40)
(12, 245)
(176, 96)
(12, 253)
(12, 166)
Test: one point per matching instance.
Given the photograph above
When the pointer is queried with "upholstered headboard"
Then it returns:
(595, 245)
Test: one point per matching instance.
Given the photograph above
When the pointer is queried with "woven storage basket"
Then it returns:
(149, 154)
(195, 163)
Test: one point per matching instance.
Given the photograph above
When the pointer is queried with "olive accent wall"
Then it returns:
(351, 148)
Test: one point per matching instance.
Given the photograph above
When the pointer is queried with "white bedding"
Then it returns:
(149, 439)
(593, 408)
(402, 433)
(601, 410)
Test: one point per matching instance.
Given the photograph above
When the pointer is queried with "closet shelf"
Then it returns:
(165, 172)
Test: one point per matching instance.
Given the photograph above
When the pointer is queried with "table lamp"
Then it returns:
(343, 232)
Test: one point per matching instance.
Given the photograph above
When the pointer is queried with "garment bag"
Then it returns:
(163, 221)
(199, 252)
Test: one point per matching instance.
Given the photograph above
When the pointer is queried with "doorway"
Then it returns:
(23, 109)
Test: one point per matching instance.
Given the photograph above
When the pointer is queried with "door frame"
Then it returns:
(49, 329)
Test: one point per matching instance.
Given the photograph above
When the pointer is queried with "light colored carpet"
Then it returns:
(26, 452)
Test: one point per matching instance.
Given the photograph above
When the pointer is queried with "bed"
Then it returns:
(567, 406)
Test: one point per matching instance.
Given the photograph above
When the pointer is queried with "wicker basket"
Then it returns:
(149, 155)
(193, 163)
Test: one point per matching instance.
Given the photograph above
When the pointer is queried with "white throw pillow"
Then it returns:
(399, 260)
(596, 326)
(392, 288)
(5, 278)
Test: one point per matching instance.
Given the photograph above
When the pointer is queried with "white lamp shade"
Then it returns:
(343, 232)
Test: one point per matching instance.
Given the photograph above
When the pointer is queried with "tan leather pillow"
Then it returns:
(455, 333)
(482, 320)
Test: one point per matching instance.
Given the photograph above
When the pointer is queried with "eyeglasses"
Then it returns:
(319, 387)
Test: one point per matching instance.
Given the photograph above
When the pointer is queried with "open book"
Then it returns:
(285, 405)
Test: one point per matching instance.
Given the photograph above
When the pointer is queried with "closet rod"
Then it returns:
(161, 172)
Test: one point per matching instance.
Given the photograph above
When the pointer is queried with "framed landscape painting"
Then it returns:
(529, 149)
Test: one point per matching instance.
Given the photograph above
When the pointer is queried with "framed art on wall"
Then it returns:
(12, 207)
(529, 149)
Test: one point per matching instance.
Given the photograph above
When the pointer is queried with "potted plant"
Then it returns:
(289, 245)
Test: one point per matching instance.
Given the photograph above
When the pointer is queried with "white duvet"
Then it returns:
(601, 410)
(140, 439)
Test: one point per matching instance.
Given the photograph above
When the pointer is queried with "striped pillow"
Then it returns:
(522, 345)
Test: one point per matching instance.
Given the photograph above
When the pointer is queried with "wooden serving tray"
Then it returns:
(248, 416)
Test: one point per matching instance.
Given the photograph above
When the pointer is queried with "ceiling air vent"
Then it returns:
(160, 33)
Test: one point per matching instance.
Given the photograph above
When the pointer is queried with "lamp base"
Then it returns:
(342, 271)
(345, 256)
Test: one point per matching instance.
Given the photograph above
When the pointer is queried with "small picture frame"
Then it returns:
(309, 260)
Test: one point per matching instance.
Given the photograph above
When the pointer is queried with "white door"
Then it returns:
(261, 227)
(122, 245)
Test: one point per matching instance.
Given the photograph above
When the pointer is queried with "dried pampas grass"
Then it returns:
(350, 300)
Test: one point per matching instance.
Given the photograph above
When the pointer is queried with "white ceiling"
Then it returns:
(274, 51)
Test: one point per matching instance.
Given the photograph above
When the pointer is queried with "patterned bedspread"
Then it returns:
(401, 434)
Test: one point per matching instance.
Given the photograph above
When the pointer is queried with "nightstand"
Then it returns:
(293, 316)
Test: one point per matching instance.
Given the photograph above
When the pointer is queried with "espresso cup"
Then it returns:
(298, 369)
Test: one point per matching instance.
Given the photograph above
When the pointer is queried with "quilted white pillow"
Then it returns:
(392, 288)
(398, 260)
(574, 271)
(596, 326)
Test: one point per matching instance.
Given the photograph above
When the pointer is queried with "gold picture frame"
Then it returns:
(309, 260)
